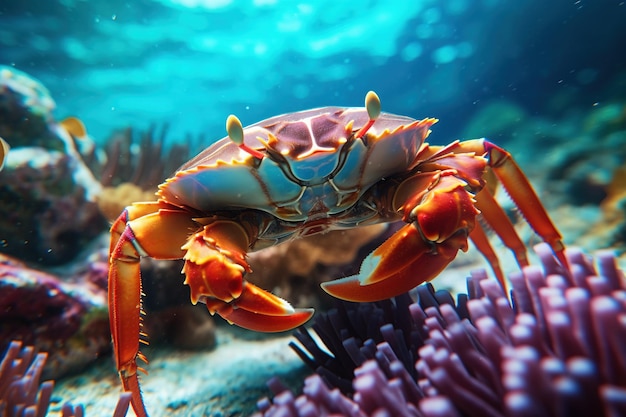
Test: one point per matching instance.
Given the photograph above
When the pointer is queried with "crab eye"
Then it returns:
(372, 105)
(234, 129)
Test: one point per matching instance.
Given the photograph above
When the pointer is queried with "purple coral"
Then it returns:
(558, 349)
(22, 394)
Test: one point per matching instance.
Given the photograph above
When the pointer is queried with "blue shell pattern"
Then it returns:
(309, 172)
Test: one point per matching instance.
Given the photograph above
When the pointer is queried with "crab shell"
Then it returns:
(313, 167)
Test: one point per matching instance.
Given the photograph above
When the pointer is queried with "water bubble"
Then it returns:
(445, 54)
(431, 15)
(457, 7)
(411, 51)
(260, 48)
(465, 49)
(424, 31)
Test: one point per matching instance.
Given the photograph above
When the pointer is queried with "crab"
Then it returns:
(308, 172)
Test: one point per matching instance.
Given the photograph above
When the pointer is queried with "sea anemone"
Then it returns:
(21, 393)
(139, 158)
(556, 349)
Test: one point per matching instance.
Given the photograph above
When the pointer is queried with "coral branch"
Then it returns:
(22, 394)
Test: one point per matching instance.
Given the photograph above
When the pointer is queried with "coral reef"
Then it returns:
(557, 349)
(66, 318)
(45, 216)
(49, 185)
(26, 121)
(131, 166)
(26, 110)
(614, 209)
(22, 394)
(48, 193)
(113, 200)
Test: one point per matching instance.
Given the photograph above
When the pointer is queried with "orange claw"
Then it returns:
(439, 223)
(265, 323)
(420, 263)
(257, 309)
(214, 269)
(260, 322)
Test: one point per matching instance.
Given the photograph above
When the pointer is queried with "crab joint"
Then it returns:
(235, 133)
(372, 105)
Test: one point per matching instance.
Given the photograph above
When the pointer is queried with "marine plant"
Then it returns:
(557, 348)
(23, 395)
(138, 157)
(132, 164)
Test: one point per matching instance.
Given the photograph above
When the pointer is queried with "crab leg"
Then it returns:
(497, 219)
(478, 236)
(502, 168)
(440, 210)
(523, 195)
(214, 270)
(167, 230)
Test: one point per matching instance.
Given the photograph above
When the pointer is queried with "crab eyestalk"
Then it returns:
(4, 151)
(372, 105)
(234, 129)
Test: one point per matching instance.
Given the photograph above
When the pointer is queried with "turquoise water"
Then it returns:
(190, 63)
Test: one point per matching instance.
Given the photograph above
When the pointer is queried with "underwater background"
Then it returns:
(152, 82)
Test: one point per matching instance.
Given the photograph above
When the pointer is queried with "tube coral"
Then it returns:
(556, 349)
(21, 393)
